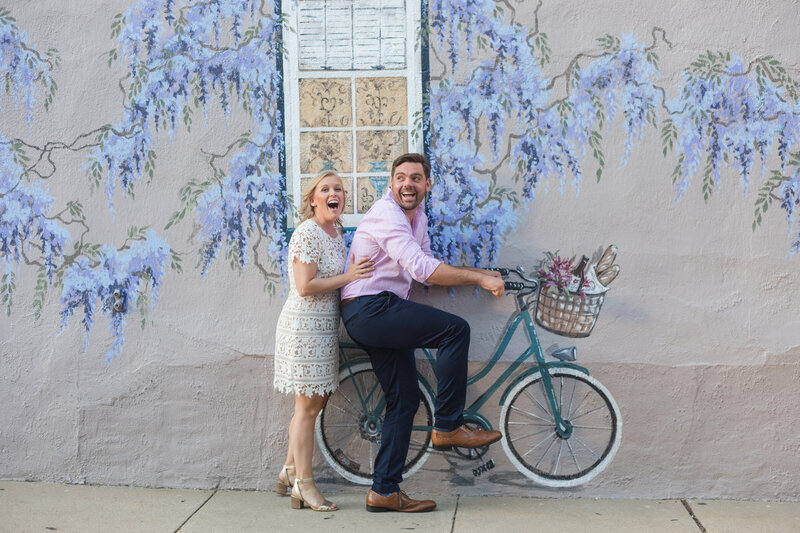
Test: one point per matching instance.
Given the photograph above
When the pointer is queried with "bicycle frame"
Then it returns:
(534, 350)
(542, 367)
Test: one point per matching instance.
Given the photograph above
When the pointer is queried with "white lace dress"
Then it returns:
(307, 338)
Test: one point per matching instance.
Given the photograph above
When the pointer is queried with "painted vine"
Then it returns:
(182, 58)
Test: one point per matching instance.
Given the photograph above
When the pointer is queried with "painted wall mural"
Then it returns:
(496, 128)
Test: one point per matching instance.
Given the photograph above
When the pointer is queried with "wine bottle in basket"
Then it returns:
(578, 274)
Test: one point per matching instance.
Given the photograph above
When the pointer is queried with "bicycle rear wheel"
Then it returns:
(350, 423)
(529, 431)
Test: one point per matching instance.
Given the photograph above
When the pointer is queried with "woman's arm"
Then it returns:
(308, 285)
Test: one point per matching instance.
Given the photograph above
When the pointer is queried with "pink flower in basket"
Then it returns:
(555, 274)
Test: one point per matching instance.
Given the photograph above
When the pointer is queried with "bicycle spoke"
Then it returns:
(370, 394)
(574, 458)
(580, 404)
(555, 438)
(345, 448)
(558, 457)
(356, 409)
(553, 435)
(571, 400)
(342, 425)
(548, 429)
(588, 412)
(353, 414)
(591, 451)
(547, 423)
(514, 408)
(592, 427)
(536, 401)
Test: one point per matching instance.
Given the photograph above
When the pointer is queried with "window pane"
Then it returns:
(352, 34)
(325, 102)
(381, 102)
(369, 190)
(377, 149)
(326, 151)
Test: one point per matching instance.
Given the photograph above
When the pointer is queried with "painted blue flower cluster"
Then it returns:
(548, 138)
(25, 223)
(27, 72)
(789, 197)
(182, 60)
(132, 271)
(732, 114)
(250, 198)
(541, 129)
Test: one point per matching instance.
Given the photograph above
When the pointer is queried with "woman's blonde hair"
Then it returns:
(306, 210)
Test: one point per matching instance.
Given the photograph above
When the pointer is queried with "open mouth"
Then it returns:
(333, 205)
(408, 195)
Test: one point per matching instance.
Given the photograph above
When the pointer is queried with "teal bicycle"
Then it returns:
(560, 426)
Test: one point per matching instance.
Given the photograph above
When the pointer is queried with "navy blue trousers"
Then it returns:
(389, 328)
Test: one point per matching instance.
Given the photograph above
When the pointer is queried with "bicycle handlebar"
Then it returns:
(526, 283)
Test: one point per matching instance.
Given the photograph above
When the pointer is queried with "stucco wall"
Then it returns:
(697, 339)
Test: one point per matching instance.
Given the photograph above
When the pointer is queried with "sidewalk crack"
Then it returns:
(200, 507)
(694, 517)
(455, 512)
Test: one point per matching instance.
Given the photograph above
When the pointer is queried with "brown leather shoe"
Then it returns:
(397, 501)
(463, 437)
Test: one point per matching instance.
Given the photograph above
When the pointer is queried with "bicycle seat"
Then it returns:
(570, 353)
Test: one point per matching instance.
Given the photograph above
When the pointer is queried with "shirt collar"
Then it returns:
(387, 195)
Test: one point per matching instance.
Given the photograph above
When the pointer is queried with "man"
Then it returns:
(378, 316)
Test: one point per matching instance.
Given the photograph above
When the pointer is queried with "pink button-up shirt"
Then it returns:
(401, 250)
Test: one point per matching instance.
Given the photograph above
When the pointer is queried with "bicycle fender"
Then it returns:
(536, 370)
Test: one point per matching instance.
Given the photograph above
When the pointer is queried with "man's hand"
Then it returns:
(494, 284)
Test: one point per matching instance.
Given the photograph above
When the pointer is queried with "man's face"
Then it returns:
(409, 185)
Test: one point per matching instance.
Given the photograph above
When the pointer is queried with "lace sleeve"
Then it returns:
(305, 245)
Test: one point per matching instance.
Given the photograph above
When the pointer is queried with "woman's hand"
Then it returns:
(359, 269)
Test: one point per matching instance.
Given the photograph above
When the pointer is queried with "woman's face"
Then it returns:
(328, 199)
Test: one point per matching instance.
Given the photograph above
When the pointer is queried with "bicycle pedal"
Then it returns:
(442, 448)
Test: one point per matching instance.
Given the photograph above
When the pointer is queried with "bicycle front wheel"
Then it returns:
(535, 447)
(350, 423)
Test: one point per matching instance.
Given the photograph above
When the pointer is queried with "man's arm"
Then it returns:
(493, 273)
(450, 276)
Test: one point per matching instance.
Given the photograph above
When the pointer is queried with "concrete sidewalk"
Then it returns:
(42, 507)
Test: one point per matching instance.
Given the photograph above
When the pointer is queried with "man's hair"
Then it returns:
(413, 158)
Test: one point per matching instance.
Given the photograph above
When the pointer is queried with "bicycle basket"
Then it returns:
(570, 316)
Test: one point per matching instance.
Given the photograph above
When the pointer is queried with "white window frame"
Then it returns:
(291, 81)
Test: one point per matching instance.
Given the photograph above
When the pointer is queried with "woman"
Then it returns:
(307, 338)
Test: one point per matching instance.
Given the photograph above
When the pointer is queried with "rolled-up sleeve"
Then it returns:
(400, 245)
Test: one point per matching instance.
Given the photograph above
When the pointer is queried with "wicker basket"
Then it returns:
(571, 316)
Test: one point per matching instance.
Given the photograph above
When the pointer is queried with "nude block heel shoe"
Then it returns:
(283, 487)
(298, 502)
